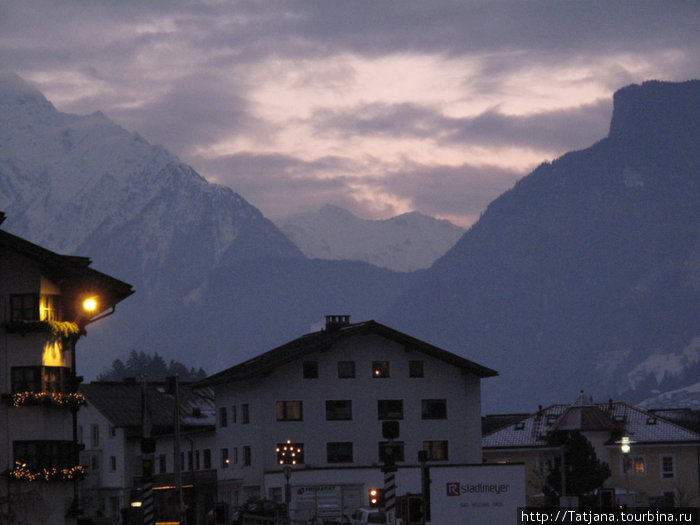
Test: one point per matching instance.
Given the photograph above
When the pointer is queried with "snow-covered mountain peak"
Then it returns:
(407, 242)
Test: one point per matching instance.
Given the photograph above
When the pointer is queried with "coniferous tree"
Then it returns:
(140, 364)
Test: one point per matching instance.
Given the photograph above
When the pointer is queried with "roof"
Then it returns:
(120, 404)
(618, 419)
(325, 339)
(69, 271)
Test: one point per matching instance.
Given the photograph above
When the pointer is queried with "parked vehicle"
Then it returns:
(363, 515)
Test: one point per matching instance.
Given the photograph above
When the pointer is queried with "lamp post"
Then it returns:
(289, 454)
(625, 447)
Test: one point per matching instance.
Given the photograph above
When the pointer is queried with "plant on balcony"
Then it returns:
(56, 328)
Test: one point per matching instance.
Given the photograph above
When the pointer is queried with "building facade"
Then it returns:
(659, 469)
(46, 302)
(328, 397)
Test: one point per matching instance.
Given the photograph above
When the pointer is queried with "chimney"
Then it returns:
(335, 322)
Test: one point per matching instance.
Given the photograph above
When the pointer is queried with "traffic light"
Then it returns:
(376, 498)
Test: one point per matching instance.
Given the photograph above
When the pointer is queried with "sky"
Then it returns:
(381, 107)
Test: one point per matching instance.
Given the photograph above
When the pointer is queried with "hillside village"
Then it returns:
(355, 415)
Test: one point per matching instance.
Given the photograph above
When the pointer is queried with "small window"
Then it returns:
(380, 369)
(437, 450)
(289, 411)
(339, 410)
(668, 467)
(245, 413)
(24, 307)
(162, 463)
(234, 414)
(247, 459)
(197, 460)
(94, 436)
(346, 369)
(112, 463)
(520, 425)
(390, 409)
(310, 369)
(634, 464)
(207, 458)
(222, 417)
(434, 408)
(339, 452)
(415, 369)
(225, 461)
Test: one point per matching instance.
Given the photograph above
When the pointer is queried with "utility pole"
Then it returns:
(148, 447)
(174, 389)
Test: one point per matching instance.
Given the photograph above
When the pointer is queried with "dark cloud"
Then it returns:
(549, 130)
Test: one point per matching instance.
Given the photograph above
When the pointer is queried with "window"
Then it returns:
(34, 307)
(340, 452)
(46, 454)
(339, 410)
(346, 369)
(633, 464)
(397, 448)
(668, 467)
(245, 413)
(207, 458)
(246, 456)
(434, 408)
(310, 369)
(162, 463)
(390, 409)
(235, 455)
(224, 458)
(40, 379)
(289, 411)
(112, 463)
(380, 369)
(415, 369)
(437, 450)
(197, 461)
(234, 414)
(94, 436)
(190, 460)
(222, 417)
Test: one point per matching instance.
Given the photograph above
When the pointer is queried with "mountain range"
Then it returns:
(407, 242)
(585, 275)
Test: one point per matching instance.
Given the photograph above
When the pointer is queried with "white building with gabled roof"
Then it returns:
(329, 393)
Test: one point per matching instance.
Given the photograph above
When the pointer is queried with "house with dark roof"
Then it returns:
(338, 396)
(111, 432)
(47, 300)
(660, 467)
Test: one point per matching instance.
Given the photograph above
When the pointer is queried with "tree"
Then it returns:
(584, 471)
(140, 364)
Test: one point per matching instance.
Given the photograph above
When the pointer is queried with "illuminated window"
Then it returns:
(437, 450)
(339, 410)
(40, 379)
(390, 409)
(289, 411)
(434, 408)
(340, 452)
(346, 369)
(380, 369)
(634, 464)
(34, 307)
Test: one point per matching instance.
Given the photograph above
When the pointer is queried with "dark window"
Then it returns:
(224, 458)
(396, 449)
(207, 458)
(162, 467)
(234, 414)
(289, 411)
(380, 368)
(34, 307)
(346, 369)
(339, 452)
(415, 369)
(40, 379)
(46, 454)
(437, 450)
(222, 417)
(245, 414)
(339, 410)
(390, 409)
(434, 409)
(310, 369)
(246, 456)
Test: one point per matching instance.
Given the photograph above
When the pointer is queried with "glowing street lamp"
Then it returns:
(90, 304)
